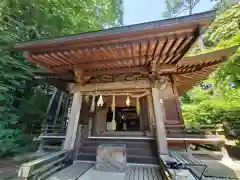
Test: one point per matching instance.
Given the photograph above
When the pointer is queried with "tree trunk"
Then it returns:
(190, 11)
(190, 7)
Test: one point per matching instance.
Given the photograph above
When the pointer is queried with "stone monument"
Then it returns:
(111, 158)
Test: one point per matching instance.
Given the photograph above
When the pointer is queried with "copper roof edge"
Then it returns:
(148, 25)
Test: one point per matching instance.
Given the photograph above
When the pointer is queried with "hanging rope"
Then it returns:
(100, 101)
(138, 106)
(128, 101)
(86, 98)
(117, 94)
(113, 111)
(92, 109)
(113, 104)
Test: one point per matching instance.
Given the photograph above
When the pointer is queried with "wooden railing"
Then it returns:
(166, 174)
(48, 130)
(232, 130)
(208, 129)
(44, 167)
(202, 134)
(216, 129)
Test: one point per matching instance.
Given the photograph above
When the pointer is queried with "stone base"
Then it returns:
(111, 158)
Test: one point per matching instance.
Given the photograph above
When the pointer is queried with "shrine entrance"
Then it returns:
(126, 118)
(121, 115)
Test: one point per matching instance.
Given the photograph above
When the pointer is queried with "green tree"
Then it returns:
(222, 5)
(225, 32)
(24, 20)
(219, 103)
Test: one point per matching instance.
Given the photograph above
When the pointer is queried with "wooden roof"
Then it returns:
(191, 70)
(125, 53)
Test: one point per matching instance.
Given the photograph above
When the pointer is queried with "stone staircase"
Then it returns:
(139, 151)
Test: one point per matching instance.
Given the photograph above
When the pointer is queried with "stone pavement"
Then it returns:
(222, 168)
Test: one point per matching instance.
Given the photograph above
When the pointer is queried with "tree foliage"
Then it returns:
(219, 102)
(23, 20)
(176, 7)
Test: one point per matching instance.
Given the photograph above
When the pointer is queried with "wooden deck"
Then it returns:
(72, 172)
(142, 172)
(133, 172)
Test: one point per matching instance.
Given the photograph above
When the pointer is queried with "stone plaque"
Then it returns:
(111, 157)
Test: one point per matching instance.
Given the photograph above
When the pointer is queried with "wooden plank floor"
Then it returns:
(72, 172)
(142, 172)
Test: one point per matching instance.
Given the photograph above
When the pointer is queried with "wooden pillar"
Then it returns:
(151, 116)
(144, 118)
(178, 103)
(73, 122)
(160, 126)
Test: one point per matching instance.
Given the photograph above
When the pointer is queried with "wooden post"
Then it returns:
(49, 105)
(65, 107)
(73, 122)
(160, 126)
(152, 124)
(58, 108)
(78, 141)
(41, 145)
(90, 127)
(178, 104)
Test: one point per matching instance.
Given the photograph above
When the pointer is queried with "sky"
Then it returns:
(139, 11)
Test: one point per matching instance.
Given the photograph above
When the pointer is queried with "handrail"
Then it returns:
(43, 167)
(166, 175)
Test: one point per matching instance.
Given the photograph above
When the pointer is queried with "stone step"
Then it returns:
(130, 144)
(141, 141)
(130, 151)
(140, 151)
(130, 159)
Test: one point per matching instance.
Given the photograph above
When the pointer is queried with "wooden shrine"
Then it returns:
(126, 81)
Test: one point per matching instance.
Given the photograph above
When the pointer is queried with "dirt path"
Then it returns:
(8, 168)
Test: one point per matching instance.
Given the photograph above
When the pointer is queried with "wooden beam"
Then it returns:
(166, 67)
(161, 50)
(185, 69)
(36, 60)
(119, 91)
(137, 84)
(88, 65)
(117, 71)
(183, 49)
(218, 55)
(42, 167)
